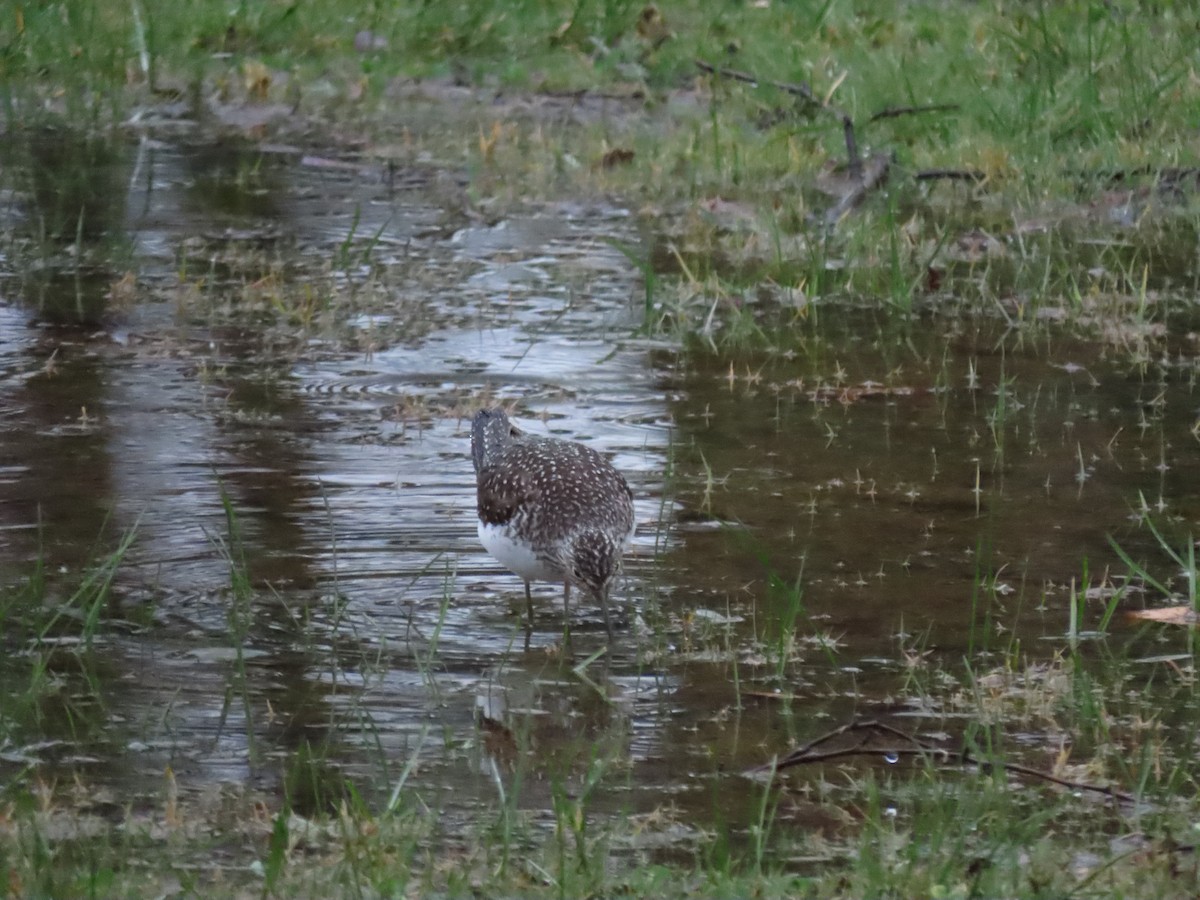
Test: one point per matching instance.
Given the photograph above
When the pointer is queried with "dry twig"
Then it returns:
(799, 89)
(911, 746)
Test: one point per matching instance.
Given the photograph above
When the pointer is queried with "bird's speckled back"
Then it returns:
(551, 490)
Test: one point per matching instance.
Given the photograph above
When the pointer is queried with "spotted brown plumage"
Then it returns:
(549, 510)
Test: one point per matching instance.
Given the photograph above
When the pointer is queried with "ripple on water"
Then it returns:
(346, 595)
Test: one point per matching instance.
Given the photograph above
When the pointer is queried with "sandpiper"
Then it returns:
(549, 510)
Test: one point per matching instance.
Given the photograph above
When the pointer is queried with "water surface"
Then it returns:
(264, 361)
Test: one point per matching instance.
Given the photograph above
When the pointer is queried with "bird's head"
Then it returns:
(491, 432)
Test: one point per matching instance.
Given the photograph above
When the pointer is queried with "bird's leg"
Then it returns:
(567, 613)
(528, 608)
(603, 594)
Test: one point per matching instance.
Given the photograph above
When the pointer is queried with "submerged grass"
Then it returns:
(883, 829)
(879, 822)
(49, 669)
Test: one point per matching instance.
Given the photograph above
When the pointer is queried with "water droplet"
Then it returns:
(891, 758)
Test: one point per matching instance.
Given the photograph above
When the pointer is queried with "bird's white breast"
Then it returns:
(515, 555)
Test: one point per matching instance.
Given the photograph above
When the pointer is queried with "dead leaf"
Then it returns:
(1170, 615)
(617, 156)
(123, 292)
(257, 79)
(652, 27)
(487, 142)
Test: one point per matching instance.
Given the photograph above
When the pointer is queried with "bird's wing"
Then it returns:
(502, 493)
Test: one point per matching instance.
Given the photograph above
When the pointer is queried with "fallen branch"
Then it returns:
(951, 175)
(866, 729)
(799, 89)
(895, 112)
(1161, 174)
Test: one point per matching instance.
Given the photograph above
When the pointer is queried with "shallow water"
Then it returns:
(309, 340)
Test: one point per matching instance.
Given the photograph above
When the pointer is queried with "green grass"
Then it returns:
(1054, 106)
(1036, 85)
(51, 629)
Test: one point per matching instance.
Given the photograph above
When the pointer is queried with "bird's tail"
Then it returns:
(596, 559)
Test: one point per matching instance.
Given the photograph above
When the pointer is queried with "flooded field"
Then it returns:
(259, 364)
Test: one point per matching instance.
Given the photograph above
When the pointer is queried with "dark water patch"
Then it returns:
(908, 484)
(76, 184)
